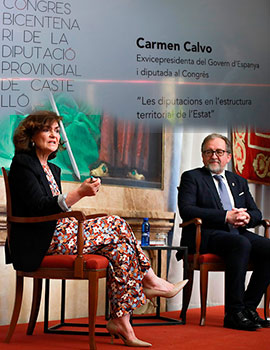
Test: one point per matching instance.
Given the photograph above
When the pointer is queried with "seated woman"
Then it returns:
(36, 190)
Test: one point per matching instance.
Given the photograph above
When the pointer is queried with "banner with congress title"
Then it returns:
(251, 154)
(179, 62)
(147, 63)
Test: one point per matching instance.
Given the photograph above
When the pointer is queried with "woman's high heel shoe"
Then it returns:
(151, 293)
(112, 329)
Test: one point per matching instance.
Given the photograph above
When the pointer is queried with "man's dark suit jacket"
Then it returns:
(31, 196)
(198, 198)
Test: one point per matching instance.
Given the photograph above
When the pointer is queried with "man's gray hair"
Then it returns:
(217, 136)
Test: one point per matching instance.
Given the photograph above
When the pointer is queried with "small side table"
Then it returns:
(157, 316)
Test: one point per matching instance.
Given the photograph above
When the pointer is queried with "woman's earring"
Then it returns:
(33, 144)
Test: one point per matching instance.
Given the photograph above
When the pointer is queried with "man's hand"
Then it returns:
(238, 217)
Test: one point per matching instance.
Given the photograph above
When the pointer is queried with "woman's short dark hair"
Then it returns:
(217, 136)
(29, 126)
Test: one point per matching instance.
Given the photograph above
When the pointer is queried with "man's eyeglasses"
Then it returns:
(210, 152)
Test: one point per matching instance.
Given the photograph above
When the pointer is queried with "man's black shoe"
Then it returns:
(253, 316)
(238, 320)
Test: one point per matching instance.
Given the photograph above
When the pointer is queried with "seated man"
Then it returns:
(223, 201)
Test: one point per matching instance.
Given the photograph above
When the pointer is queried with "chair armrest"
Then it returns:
(79, 261)
(266, 224)
(34, 219)
(197, 222)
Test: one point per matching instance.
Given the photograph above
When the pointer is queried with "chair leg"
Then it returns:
(203, 291)
(266, 302)
(187, 295)
(37, 289)
(16, 309)
(92, 307)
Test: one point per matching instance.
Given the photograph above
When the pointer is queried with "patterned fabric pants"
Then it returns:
(113, 238)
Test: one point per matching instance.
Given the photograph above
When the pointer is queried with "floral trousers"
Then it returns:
(111, 237)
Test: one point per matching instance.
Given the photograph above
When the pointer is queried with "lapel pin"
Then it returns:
(233, 184)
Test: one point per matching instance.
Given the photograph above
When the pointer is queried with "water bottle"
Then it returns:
(145, 239)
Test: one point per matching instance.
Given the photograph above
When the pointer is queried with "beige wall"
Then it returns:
(130, 203)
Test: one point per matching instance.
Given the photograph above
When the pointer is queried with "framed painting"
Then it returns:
(119, 151)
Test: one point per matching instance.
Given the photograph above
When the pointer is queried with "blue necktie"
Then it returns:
(225, 199)
(223, 193)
